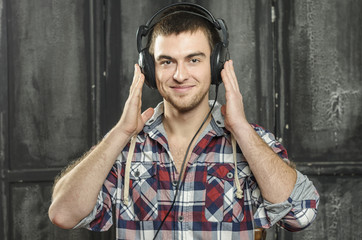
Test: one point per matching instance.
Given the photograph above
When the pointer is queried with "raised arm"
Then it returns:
(275, 178)
(75, 193)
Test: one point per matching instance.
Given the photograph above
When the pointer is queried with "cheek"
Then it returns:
(160, 82)
(162, 75)
(158, 76)
(205, 75)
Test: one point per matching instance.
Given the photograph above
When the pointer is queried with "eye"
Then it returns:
(166, 62)
(194, 60)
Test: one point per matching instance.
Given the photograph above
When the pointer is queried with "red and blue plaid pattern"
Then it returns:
(207, 207)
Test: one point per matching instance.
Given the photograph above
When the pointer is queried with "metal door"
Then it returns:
(319, 61)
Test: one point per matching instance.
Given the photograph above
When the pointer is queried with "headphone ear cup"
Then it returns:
(217, 61)
(147, 65)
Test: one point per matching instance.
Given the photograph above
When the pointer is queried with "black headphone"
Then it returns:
(219, 55)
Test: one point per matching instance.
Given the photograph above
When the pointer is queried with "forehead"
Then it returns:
(182, 44)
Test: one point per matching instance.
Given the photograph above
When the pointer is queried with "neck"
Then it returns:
(185, 124)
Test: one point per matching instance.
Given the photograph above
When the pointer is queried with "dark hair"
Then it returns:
(179, 20)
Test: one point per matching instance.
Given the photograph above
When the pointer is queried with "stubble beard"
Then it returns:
(183, 105)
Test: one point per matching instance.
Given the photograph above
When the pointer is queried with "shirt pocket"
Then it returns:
(221, 204)
(143, 193)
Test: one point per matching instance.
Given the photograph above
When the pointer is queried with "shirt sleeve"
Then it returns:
(299, 210)
(296, 213)
(100, 219)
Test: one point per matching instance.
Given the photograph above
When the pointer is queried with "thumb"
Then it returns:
(147, 114)
(223, 110)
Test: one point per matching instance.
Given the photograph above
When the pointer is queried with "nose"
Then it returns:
(181, 73)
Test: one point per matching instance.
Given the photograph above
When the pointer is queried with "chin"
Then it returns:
(185, 105)
(183, 109)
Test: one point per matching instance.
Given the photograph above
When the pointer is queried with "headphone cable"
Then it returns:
(182, 175)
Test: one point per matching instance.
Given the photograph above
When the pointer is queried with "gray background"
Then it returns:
(66, 67)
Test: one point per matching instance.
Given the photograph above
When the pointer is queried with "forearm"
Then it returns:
(75, 194)
(275, 177)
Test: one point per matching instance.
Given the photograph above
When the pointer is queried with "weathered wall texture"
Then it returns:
(323, 47)
(45, 108)
(48, 88)
(320, 54)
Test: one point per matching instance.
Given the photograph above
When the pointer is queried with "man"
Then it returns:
(187, 173)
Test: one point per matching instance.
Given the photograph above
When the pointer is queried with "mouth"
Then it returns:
(182, 89)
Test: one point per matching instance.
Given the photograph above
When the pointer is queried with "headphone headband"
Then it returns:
(158, 13)
(218, 23)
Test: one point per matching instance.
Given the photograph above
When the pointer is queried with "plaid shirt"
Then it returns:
(206, 207)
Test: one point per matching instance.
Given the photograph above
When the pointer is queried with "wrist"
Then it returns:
(118, 135)
(241, 128)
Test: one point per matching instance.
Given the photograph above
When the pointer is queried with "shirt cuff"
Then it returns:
(84, 223)
(268, 213)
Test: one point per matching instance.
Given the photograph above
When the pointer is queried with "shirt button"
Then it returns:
(174, 183)
(180, 218)
(137, 174)
(230, 175)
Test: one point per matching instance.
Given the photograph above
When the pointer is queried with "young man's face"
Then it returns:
(182, 65)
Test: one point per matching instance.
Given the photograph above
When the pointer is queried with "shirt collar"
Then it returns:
(217, 122)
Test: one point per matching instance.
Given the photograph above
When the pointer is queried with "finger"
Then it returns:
(223, 110)
(147, 114)
(135, 96)
(136, 77)
(140, 81)
(137, 87)
(231, 75)
(226, 78)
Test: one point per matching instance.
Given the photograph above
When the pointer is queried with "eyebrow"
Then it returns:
(196, 54)
(163, 57)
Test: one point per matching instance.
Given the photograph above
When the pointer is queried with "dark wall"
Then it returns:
(322, 63)
(46, 108)
(320, 59)
(66, 67)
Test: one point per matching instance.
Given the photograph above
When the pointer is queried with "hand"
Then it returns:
(132, 121)
(233, 111)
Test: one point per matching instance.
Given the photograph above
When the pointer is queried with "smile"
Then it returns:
(182, 88)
